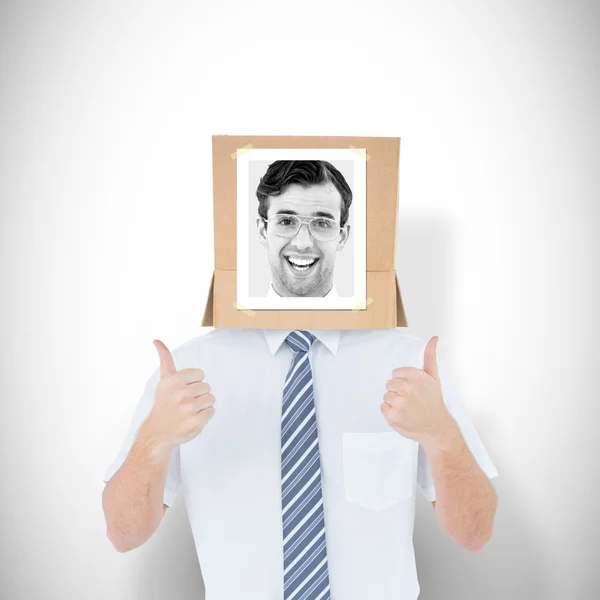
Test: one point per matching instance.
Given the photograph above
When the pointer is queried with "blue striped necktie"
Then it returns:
(305, 575)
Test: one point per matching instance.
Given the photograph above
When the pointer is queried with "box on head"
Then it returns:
(305, 233)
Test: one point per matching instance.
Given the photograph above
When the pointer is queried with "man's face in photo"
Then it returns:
(302, 265)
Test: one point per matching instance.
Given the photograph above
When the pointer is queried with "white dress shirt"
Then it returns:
(230, 474)
(332, 293)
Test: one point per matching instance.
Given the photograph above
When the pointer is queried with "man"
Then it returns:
(299, 454)
(303, 210)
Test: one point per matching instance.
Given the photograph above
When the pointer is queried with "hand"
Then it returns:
(413, 404)
(182, 402)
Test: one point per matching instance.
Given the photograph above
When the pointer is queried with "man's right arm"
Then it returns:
(133, 497)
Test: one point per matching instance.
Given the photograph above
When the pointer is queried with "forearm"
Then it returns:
(466, 499)
(133, 499)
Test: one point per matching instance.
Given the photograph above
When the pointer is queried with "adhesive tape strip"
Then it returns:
(241, 307)
(360, 152)
(241, 151)
(362, 305)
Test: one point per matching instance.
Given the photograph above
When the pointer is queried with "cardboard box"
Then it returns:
(383, 308)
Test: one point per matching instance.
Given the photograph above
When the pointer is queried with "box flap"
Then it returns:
(381, 311)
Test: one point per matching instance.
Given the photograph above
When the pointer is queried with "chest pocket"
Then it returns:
(377, 469)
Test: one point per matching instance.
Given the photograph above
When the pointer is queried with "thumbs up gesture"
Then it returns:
(183, 404)
(413, 404)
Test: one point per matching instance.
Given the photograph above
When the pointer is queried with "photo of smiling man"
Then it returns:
(303, 208)
(301, 229)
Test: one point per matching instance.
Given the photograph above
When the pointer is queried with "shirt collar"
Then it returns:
(328, 337)
(273, 294)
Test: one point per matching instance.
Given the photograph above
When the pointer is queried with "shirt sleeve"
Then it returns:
(459, 411)
(141, 413)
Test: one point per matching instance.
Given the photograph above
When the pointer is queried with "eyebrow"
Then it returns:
(318, 213)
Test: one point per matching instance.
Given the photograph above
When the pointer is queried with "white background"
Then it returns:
(107, 109)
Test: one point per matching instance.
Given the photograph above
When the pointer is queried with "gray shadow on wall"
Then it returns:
(169, 568)
(512, 565)
(426, 272)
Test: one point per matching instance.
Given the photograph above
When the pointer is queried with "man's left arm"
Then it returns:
(465, 498)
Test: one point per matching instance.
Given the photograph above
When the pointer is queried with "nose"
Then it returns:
(302, 239)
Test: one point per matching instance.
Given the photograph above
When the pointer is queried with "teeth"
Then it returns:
(300, 262)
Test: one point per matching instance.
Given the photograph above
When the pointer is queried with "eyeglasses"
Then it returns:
(321, 228)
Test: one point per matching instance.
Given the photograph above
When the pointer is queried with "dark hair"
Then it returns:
(282, 173)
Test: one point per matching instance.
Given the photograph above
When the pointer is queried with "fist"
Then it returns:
(413, 404)
(183, 404)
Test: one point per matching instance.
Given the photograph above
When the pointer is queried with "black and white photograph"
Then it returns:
(301, 228)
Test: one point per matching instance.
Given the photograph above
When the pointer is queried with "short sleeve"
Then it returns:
(141, 413)
(458, 410)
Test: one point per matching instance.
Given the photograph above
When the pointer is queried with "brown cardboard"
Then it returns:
(384, 308)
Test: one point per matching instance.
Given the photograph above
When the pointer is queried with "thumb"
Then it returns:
(167, 364)
(430, 359)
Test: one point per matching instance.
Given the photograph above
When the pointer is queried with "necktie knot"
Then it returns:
(300, 340)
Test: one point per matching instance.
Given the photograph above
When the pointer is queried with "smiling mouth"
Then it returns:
(301, 265)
